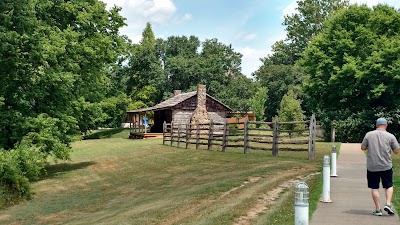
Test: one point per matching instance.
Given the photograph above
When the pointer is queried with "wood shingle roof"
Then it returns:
(169, 103)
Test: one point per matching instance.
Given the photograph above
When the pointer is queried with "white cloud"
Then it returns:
(251, 56)
(291, 8)
(187, 17)
(251, 59)
(250, 37)
(139, 12)
(370, 3)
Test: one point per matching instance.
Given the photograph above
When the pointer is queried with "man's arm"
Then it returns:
(364, 144)
(395, 145)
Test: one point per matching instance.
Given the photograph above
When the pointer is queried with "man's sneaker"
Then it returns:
(377, 213)
(389, 209)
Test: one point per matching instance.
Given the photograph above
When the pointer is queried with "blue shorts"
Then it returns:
(374, 179)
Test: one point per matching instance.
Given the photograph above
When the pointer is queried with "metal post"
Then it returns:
(333, 164)
(326, 186)
(301, 207)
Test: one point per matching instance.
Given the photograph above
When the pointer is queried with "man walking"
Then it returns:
(380, 145)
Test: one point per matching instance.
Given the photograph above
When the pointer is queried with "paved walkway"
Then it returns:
(352, 202)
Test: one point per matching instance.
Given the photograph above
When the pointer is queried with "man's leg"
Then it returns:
(389, 194)
(373, 184)
(387, 183)
(376, 198)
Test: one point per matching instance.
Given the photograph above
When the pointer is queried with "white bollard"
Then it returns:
(301, 204)
(326, 186)
(333, 164)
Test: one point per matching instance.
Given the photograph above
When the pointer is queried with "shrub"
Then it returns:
(17, 168)
(353, 127)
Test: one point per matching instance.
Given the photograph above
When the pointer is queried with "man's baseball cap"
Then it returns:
(381, 121)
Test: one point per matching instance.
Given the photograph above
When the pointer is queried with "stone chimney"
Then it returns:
(177, 92)
(200, 114)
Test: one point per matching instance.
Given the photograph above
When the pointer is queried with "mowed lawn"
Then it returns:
(122, 181)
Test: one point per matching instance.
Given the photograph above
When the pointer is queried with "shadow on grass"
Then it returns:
(103, 134)
(55, 170)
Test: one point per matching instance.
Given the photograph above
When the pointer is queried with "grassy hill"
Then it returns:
(122, 181)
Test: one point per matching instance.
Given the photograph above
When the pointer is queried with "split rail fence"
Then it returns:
(274, 136)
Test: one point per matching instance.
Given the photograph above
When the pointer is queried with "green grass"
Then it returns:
(396, 181)
(122, 181)
(108, 133)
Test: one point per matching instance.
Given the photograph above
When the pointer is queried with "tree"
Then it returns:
(237, 93)
(354, 63)
(219, 63)
(54, 57)
(279, 71)
(146, 74)
(307, 22)
(257, 103)
(278, 79)
(289, 111)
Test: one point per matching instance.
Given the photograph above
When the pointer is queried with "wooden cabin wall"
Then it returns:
(183, 111)
(181, 116)
(217, 117)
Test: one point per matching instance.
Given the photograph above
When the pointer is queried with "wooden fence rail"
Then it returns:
(268, 136)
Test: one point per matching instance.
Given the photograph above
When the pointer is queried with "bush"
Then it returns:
(17, 168)
(352, 128)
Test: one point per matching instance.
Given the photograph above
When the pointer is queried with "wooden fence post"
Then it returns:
(246, 136)
(172, 132)
(311, 143)
(197, 135)
(224, 137)
(210, 134)
(333, 135)
(187, 135)
(163, 134)
(275, 137)
(179, 135)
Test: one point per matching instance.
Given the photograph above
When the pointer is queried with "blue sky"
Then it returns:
(251, 26)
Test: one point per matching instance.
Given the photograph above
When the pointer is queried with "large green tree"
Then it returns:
(279, 71)
(278, 79)
(53, 69)
(237, 93)
(354, 64)
(304, 24)
(146, 75)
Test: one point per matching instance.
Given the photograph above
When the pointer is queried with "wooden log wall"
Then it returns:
(267, 136)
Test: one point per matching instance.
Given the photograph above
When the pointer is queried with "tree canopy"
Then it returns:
(54, 61)
(354, 63)
(354, 66)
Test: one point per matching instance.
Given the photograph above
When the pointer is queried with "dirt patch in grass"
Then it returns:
(54, 218)
(4, 217)
(189, 211)
(271, 196)
(195, 208)
(109, 166)
(250, 180)
(51, 189)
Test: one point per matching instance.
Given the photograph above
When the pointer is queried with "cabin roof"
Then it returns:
(175, 100)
